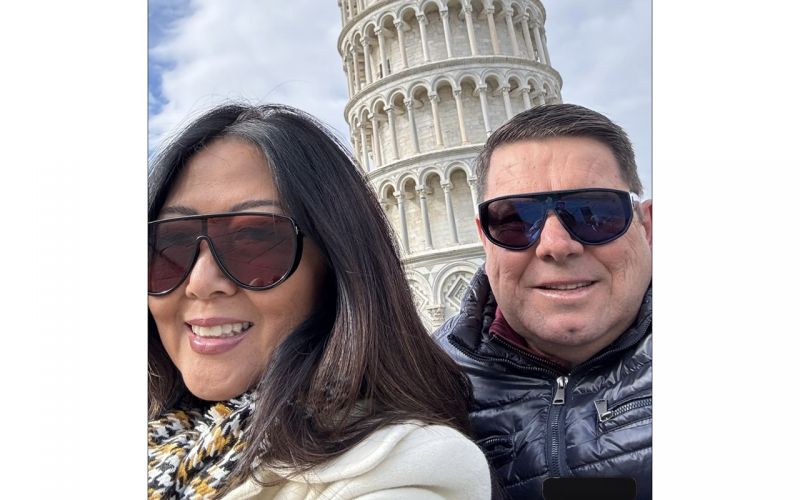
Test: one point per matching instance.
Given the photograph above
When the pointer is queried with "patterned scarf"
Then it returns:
(192, 451)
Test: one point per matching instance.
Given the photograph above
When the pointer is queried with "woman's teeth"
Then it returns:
(227, 330)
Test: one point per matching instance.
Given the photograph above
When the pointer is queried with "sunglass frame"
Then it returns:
(483, 212)
(298, 248)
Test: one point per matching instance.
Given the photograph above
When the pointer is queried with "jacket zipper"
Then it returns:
(487, 445)
(528, 355)
(559, 398)
(492, 441)
(561, 384)
(558, 404)
(469, 354)
(604, 413)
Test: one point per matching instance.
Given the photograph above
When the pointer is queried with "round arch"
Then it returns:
(446, 289)
(455, 166)
(427, 172)
(442, 80)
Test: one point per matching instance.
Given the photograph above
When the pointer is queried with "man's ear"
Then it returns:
(480, 231)
(646, 213)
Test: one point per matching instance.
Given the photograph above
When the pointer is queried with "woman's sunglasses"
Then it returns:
(257, 251)
(591, 216)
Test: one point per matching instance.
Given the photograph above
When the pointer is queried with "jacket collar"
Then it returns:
(478, 306)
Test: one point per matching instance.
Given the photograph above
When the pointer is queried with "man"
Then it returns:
(555, 331)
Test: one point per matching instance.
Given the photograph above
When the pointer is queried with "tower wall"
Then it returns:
(428, 81)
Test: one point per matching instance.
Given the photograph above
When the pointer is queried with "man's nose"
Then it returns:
(555, 243)
(206, 279)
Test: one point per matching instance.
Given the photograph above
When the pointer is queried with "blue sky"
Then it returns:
(204, 51)
(163, 21)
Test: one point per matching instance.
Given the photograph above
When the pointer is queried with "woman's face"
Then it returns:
(229, 173)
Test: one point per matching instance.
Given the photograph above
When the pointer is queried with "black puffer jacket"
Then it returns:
(530, 427)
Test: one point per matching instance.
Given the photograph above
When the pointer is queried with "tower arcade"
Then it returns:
(428, 81)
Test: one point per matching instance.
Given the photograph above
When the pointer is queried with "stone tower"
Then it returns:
(428, 81)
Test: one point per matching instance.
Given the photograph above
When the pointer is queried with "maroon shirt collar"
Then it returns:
(502, 329)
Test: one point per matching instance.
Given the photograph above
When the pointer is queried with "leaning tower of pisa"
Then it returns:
(428, 81)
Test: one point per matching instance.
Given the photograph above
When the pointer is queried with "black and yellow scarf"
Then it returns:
(192, 451)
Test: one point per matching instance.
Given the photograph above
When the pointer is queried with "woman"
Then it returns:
(286, 359)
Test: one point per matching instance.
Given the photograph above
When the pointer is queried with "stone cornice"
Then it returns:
(380, 4)
(446, 254)
(427, 157)
(360, 17)
(457, 64)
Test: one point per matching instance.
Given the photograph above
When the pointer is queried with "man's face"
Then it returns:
(567, 299)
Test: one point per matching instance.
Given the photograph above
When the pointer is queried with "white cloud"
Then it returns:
(250, 50)
(268, 52)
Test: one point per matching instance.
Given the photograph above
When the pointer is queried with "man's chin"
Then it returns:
(562, 332)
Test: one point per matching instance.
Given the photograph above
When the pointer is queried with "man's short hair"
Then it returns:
(561, 120)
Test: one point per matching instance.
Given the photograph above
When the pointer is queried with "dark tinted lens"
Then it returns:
(257, 250)
(515, 222)
(172, 245)
(594, 216)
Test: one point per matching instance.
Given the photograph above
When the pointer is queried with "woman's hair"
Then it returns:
(363, 359)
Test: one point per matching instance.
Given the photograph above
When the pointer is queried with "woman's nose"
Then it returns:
(206, 279)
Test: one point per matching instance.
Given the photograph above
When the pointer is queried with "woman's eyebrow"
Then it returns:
(239, 207)
(177, 209)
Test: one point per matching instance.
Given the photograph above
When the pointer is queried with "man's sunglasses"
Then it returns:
(257, 251)
(591, 216)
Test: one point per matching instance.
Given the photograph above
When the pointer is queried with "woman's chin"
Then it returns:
(215, 392)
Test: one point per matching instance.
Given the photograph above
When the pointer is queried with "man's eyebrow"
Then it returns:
(240, 207)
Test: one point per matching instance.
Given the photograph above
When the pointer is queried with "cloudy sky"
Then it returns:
(202, 52)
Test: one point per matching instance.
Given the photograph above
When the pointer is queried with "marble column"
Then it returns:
(492, 30)
(426, 223)
(446, 187)
(526, 98)
(473, 190)
(367, 65)
(356, 78)
(356, 144)
(511, 32)
(460, 111)
(412, 124)
(437, 126)
(392, 130)
(348, 70)
(401, 207)
(467, 12)
(382, 51)
(507, 102)
(423, 21)
(446, 27)
(376, 140)
(400, 41)
(544, 45)
(364, 153)
(526, 34)
(484, 110)
(539, 49)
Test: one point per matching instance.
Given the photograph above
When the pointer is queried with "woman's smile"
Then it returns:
(219, 335)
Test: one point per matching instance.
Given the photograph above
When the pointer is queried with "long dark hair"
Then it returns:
(363, 359)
